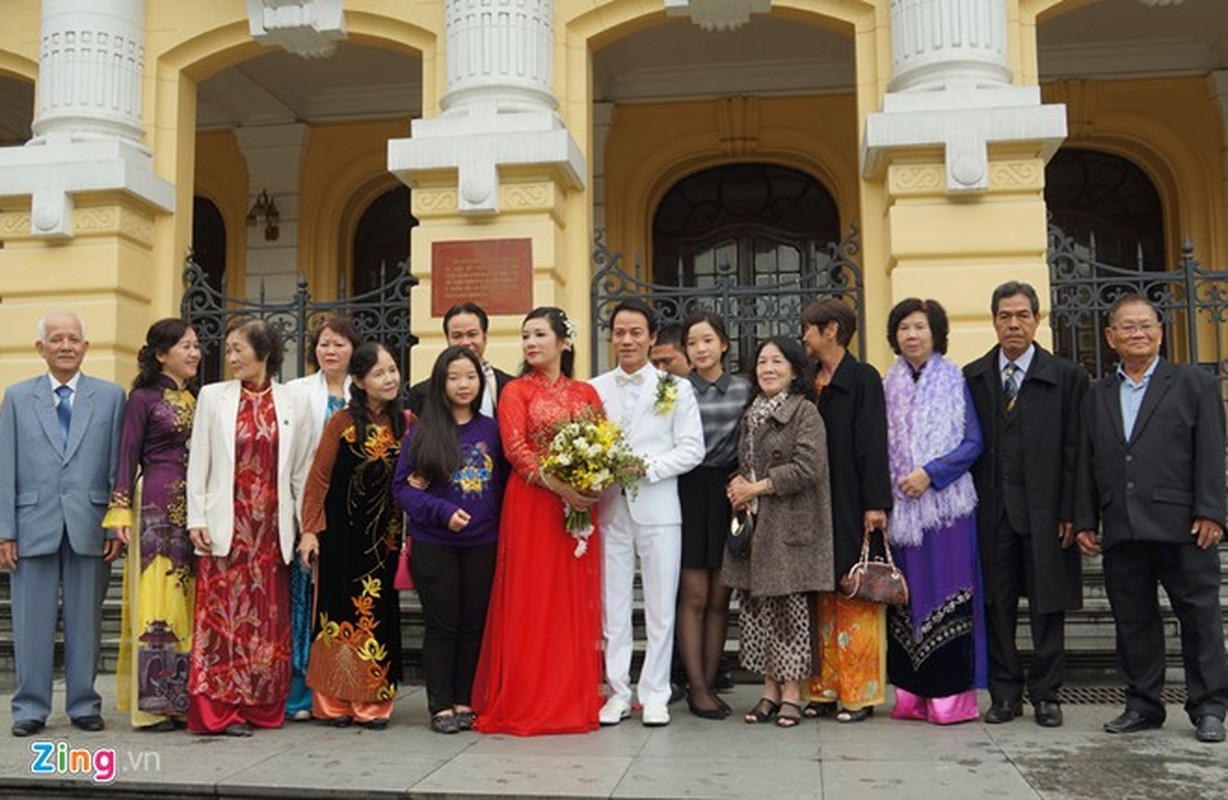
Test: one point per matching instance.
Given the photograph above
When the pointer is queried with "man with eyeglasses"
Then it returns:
(1028, 402)
(1151, 477)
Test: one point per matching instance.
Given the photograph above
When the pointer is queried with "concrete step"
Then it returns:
(1090, 635)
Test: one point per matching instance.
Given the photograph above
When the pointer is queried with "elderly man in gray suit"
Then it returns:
(59, 442)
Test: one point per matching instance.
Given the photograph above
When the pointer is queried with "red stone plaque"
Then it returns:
(497, 274)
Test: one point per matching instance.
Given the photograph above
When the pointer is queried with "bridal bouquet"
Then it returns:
(589, 454)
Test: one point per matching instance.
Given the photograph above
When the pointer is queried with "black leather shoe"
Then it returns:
(92, 723)
(1003, 712)
(1048, 714)
(1131, 721)
(27, 727)
(1210, 729)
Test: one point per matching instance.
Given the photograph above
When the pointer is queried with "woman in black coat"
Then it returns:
(849, 394)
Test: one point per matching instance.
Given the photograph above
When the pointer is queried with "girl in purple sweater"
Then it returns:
(449, 481)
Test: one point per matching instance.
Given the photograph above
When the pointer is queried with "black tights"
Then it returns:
(702, 622)
(453, 584)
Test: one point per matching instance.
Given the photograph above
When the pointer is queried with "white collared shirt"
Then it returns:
(492, 388)
(1022, 364)
(629, 393)
(71, 384)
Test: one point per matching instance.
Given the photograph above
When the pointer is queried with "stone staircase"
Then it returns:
(1089, 632)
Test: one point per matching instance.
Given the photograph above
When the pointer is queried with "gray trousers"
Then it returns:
(39, 584)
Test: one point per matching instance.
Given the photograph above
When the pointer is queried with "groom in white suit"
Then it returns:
(660, 419)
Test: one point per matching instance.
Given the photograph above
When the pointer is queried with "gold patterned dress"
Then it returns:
(355, 661)
(159, 576)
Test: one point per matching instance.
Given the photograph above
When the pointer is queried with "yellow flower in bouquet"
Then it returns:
(590, 454)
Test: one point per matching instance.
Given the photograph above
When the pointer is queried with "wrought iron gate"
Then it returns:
(751, 312)
(381, 314)
(1192, 301)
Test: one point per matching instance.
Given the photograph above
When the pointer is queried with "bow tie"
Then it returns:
(623, 380)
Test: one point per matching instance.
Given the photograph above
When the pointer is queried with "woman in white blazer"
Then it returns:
(249, 459)
(325, 391)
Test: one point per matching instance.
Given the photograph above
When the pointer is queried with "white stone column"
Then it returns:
(89, 70)
(939, 44)
(951, 87)
(274, 155)
(499, 108)
(87, 133)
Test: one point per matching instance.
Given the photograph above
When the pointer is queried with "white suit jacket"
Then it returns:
(211, 463)
(671, 443)
(314, 388)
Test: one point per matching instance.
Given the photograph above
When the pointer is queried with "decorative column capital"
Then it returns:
(717, 15)
(307, 28)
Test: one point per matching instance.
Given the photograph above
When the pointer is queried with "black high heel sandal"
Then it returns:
(704, 713)
(763, 711)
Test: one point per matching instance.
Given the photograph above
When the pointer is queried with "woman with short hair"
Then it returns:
(782, 481)
(250, 455)
(936, 655)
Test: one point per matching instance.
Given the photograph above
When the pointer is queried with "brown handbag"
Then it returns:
(875, 581)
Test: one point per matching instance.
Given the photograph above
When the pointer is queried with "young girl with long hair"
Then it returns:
(448, 481)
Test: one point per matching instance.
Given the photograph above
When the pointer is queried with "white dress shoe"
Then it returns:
(614, 711)
(655, 716)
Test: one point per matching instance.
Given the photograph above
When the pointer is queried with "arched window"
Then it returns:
(209, 253)
(1094, 195)
(209, 240)
(381, 240)
(762, 222)
(1113, 221)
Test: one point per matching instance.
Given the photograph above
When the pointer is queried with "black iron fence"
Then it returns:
(381, 314)
(752, 312)
(1192, 301)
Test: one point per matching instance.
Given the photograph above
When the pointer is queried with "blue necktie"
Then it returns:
(63, 410)
(1010, 387)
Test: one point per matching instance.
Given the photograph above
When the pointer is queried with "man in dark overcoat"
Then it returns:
(1151, 476)
(1028, 401)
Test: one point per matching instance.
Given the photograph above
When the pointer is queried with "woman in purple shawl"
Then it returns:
(936, 644)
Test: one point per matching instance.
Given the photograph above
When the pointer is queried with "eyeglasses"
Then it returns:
(1131, 328)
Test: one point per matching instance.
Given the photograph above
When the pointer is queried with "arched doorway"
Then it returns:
(761, 222)
(761, 228)
(381, 241)
(1100, 197)
(1106, 239)
(209, 254)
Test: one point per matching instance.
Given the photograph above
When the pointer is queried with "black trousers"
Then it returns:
(1191, 578)
(1014, 575)
(453, 585)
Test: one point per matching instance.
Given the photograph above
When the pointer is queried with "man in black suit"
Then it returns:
(1028, 401)
(1151, 474)
(466, 324)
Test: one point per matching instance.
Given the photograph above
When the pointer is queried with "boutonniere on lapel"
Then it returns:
(667, 395)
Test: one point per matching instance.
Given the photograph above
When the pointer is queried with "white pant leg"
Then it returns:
(660, 549)
(618, 557)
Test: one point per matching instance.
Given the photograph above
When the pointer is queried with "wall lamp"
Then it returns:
(266, 207)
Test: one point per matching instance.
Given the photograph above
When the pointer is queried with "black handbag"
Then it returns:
(741, 528)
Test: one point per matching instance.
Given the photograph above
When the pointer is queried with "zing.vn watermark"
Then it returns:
(100, 764)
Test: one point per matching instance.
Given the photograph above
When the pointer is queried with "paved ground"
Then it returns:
(690, 758)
